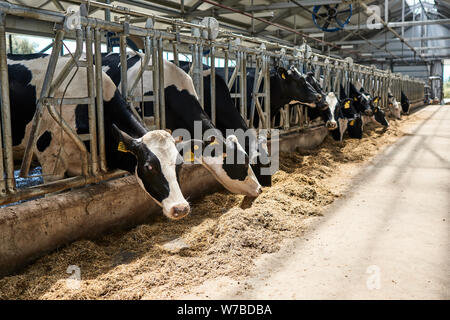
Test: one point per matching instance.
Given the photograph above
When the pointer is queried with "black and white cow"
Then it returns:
(393, 106)
(342, 112)
(378, 115)
(228, 117)
(405, 103)
(323, 108)
(182, 111)
(361, 102)
(151, 156)
(285, 86)
(351, 114)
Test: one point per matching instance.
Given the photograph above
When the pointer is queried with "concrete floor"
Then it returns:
(389, 238)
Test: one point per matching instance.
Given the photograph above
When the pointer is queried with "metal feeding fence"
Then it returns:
(180, 37)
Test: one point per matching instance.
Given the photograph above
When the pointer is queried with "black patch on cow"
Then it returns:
(44, 141)
(22, 99)
(25, 57)
(236, 170)
(355, 129)
(112, 60)
(150, 173)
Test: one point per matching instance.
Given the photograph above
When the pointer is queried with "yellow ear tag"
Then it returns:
(195, 147)
(121, 147)
(213, 143)
(189, 157)
(376, 100)
(347, 105)
(283, 76)
(355, 98)
(352, 122)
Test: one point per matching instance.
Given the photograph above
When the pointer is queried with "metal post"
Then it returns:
(91, 105)
(123, 65)
(162, 104)
(6, 112)
(213, 84)
(155, 73)
(99, 98)
(266, 58)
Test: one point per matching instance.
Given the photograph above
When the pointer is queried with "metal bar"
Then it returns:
(91, 106)
(213, 83)
(162, 101)
(99, 100)
(6, 112)
(28, 154)
(155, 74)
(123, 65)
(58, 186)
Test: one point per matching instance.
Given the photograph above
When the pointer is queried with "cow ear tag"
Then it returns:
(352, 122)
(189, 156)
(283, 76)
(213, 143)
(347, 105)
(376, 100)
(355, 98)
(121, 147)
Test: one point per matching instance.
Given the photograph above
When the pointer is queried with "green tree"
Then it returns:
(20, 45)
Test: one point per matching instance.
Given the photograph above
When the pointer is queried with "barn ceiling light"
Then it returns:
(349, 46)
(366, 54)
(317, 35)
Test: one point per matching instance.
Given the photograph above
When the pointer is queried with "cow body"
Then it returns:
(285, 86)
(405, 103)
(151, 156)
(394, 107)
(183, 110)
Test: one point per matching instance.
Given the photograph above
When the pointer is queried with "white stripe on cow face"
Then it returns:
(162, 145)
(394, 107)
(332, 104)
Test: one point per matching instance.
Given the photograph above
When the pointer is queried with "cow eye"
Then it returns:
(149, 166)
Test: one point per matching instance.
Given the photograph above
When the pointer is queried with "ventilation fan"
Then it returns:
(332, 18)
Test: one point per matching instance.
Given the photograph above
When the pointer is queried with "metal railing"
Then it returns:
(180, 37)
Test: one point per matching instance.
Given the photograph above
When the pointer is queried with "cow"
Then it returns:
(183, 110)
(352, 114)
(405, 103)
(286, 85)
(151, 156)
(393, 106)
(342, 112)
(228, 117)
(361, 100)
(323, 108)
(378, 115)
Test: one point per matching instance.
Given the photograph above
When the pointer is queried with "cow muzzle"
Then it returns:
(179, 211)
(368, 112)
(331, 125)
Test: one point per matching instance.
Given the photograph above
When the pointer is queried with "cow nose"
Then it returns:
(318, 97)
(179, 211)
(331, 125)
(259, 190)
(369, 112)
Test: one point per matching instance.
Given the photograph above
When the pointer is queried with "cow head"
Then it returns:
(360, 100)
(158, 164)
(228, 163)
(294, 86)
(379, 114)
(332, 102)
(393, 106)
(347, 117)
(322, 104)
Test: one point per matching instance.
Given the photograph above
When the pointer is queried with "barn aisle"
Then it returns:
(389, 238)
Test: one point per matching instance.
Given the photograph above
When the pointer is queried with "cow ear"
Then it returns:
(191, 149)
(126, 143)
(282, 72)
